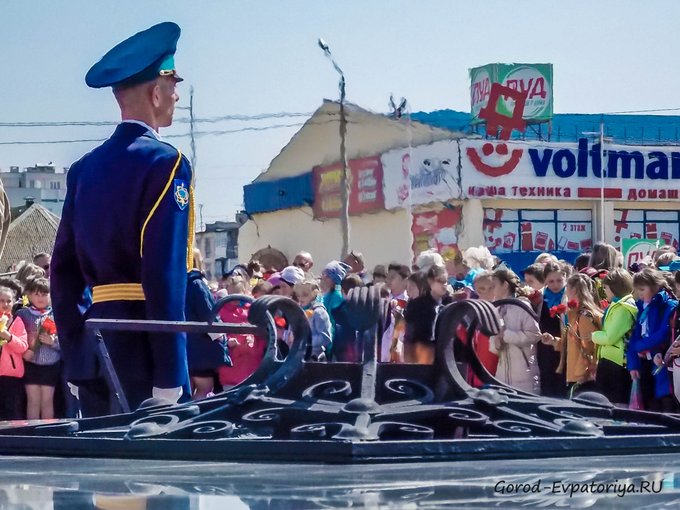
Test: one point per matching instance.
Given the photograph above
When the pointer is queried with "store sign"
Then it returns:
(635, 250)
(529, 170)
(541, 170)
(365, 183)
(536, 80)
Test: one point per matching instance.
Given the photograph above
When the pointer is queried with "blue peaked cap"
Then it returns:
(140, 58)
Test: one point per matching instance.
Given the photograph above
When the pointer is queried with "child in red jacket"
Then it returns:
(13, 344)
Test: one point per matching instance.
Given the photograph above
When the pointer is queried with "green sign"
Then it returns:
(634, 250)
(534, 79)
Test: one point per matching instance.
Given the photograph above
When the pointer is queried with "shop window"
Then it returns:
(644, 224)
(521, 230)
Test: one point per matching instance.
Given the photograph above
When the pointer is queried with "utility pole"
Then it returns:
(344, 181)
(191, 129)
(602, 170)
(200, 216)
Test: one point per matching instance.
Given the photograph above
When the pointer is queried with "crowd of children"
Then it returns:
(591, 326)
(594, 326)
(30, 356)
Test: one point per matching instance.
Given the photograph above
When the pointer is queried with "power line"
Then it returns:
(183, 135)
(639, 111)
(181, 120)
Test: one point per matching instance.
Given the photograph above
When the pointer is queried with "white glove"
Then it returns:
(169, 394)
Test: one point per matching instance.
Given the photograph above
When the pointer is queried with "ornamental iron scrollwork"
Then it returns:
(295, 409)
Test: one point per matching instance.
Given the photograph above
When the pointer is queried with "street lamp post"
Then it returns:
(600, 136)
(344, 181)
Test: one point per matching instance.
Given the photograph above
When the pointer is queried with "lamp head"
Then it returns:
(323, 45)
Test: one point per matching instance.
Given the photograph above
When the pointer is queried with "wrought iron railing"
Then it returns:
(364, 411)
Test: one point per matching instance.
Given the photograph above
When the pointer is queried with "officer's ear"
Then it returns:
(156, 94)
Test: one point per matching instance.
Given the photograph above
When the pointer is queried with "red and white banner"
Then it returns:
(365, 186)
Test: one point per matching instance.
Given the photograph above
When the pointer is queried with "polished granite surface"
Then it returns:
(595, 482)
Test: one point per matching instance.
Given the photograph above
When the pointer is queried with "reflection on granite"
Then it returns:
(75, 484)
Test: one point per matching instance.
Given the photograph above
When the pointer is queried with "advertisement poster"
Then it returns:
(422, 174)
(366, 188)
(534, 79)
(437, 229)
(634, 250)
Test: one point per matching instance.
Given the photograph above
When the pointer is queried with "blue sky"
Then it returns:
(261, 57)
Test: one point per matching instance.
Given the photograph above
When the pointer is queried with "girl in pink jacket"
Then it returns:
(13, 343)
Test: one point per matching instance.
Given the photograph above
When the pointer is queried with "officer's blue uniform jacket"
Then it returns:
(127, 219)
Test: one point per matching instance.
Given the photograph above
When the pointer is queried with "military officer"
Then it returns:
(126, 232)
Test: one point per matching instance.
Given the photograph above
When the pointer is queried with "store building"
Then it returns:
(288, 213)
(40, 184)
(519, 197)
(218, 243)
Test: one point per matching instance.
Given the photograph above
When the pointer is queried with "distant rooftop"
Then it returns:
(569, 127)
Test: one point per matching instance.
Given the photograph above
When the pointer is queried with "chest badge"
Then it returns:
(181, 194)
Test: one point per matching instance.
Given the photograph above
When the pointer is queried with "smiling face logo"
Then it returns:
(502, 150)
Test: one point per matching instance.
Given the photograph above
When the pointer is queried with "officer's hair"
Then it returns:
(37, 285)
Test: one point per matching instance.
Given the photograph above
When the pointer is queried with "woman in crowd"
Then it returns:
(515, 345)
(416, 284)
(603, 256)
(651, 338)
(420, 316)
(612, 377)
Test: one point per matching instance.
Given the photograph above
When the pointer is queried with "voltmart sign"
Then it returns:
(572, 171)
(458, 169)
(534, 79)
